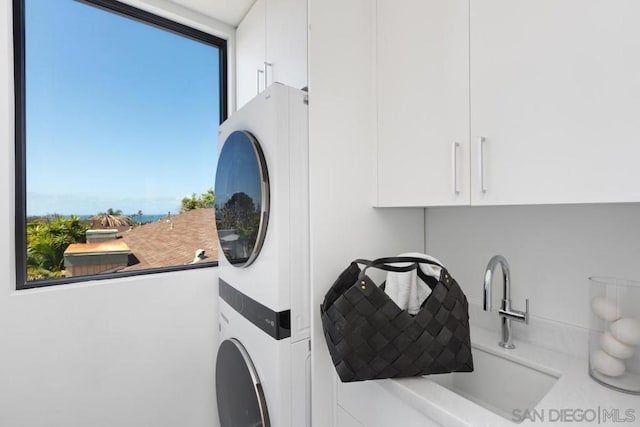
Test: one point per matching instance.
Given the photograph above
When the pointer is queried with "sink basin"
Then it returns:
(499, 384)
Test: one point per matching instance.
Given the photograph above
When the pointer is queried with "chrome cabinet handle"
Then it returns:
(483, 142)
(267, 66)
(259, 71)
(455, 149)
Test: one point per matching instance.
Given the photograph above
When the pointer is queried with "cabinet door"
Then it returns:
(250, 54)
(345, 419)
(287, 42)
(555, 92)
(423, 102)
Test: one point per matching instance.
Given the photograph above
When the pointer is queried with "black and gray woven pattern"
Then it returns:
(370, 337)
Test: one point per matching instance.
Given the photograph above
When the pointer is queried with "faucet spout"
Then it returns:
(506, 313)
(488, 280)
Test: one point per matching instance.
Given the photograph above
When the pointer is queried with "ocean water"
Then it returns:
(141, 219)
(144, 218)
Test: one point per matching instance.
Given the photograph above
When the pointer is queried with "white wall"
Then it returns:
(137, 352)
(551, 250)
(129, 352)
(342, 119)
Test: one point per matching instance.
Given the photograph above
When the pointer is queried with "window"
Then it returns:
(117, 113)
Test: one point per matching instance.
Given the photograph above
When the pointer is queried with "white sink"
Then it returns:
(499, 384)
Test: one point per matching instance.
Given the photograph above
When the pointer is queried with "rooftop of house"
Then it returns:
(106, 247)
(173, 240)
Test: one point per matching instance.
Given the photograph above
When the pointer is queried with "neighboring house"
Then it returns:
(175, 240)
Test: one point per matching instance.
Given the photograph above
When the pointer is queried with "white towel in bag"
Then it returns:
(406, 289)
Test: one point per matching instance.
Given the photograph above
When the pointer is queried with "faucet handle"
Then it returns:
(516, 315)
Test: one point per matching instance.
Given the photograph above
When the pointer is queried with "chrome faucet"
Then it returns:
(506, 313)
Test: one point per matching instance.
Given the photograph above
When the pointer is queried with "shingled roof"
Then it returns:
(173, 240)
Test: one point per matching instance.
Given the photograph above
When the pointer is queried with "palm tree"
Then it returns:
(112, 219)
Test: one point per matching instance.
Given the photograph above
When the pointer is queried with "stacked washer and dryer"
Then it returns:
(263, 371)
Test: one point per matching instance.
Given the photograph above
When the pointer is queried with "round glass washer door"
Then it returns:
(242, 198)
(240, 397)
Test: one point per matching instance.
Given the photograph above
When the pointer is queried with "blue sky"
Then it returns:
(120, 114)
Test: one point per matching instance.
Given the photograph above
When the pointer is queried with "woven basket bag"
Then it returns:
(370, 337)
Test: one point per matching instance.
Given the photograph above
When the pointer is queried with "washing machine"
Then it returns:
(262, 220)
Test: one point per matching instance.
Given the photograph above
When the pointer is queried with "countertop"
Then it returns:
(574, 396)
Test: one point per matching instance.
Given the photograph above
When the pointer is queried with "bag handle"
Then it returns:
(382, 264)
(385, 267)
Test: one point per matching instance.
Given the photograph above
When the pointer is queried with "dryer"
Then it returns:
(262, 219)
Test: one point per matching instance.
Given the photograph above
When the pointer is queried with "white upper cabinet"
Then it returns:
(552, 115)
(287, 42)
(423, 102)
(250, 54)
(271, 46)
(555, 92)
